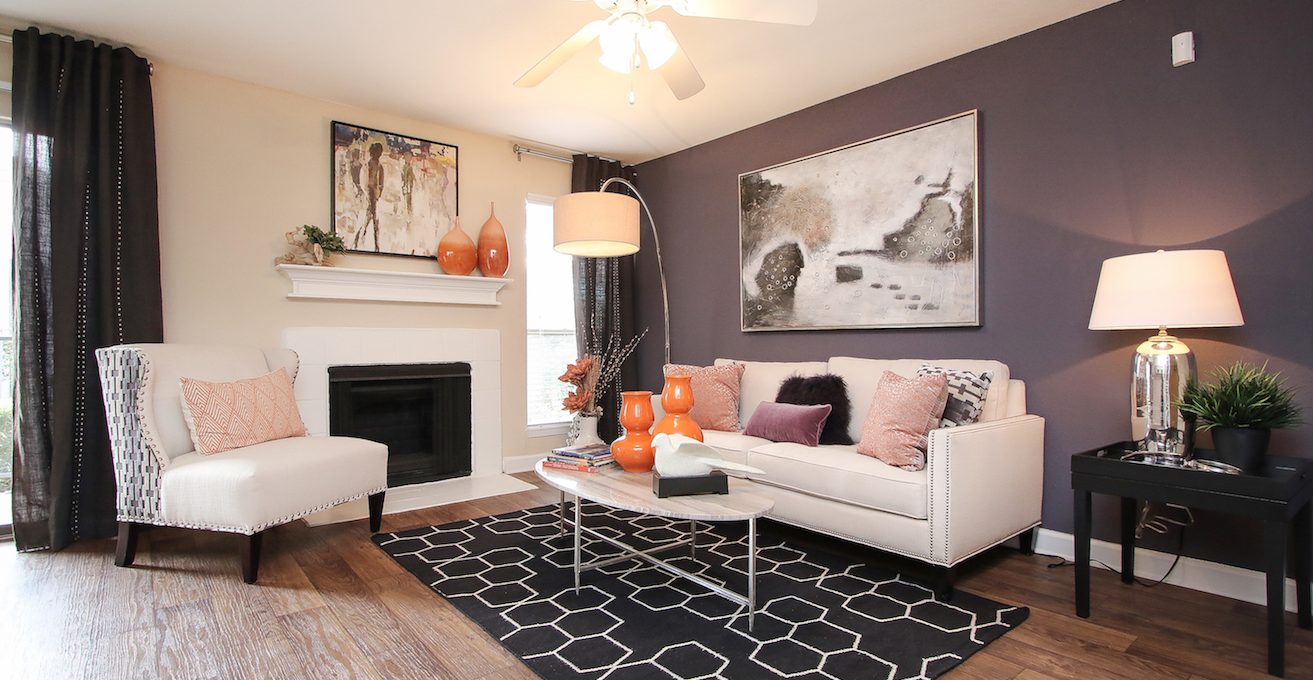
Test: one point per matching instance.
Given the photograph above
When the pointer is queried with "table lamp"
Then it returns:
(1178, 289)
(605, 224)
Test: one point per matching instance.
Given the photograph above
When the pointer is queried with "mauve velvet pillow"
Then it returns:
(801, 424)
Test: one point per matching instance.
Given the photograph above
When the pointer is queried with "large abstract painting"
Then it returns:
(392, 194)
(877, 234)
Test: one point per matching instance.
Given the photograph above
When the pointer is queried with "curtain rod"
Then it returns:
(520, 151)
(150, 66)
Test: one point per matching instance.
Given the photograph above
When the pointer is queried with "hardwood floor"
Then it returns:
(330, 604)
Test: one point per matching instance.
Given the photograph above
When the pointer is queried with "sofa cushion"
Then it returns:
(840, 473)
(715, 394)
(863, 375)
(247, 489)
(761, 380)
(826, 389)
(966, 393)
(798, 423)
(903, 412)
(732, 445)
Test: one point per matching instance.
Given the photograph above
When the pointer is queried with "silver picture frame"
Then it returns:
(880, 233)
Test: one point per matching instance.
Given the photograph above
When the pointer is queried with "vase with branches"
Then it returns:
(593, 375)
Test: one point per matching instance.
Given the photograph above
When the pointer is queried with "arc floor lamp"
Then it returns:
(607, 224)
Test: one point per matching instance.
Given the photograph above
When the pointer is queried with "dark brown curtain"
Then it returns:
(86, 271)
(604, 291)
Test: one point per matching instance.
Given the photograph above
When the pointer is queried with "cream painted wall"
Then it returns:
(239, 165)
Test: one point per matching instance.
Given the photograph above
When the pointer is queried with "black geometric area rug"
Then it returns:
(819, 615)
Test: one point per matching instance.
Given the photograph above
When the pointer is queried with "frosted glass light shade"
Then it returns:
(1166, 289)
(595, 224)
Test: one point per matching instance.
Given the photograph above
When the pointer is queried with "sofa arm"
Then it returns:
(986, 484)
(124, 373)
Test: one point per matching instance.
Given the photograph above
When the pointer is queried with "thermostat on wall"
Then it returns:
(1183, 48)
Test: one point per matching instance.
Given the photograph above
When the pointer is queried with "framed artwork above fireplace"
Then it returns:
(882, 233)
(392, 194)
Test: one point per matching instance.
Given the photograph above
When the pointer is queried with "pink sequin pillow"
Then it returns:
(229, 415)
(903, 412)
(715, 394)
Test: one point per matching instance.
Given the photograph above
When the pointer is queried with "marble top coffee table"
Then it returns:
(615, 488)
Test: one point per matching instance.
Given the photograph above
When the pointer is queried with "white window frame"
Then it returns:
(541, 429)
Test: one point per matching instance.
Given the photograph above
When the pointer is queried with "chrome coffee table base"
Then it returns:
(650, 556)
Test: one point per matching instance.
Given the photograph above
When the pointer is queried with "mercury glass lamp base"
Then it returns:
(1161, 369)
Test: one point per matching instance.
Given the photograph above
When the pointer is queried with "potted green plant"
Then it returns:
(1241, 409)
(311, 245)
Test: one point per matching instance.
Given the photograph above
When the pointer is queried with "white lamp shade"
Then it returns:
(1166, 289)
(595, 224)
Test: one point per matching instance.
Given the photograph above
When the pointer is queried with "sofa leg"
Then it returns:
(376, 511)
(125, 550)
(1027, 539)
(944, 579)
(251, 556)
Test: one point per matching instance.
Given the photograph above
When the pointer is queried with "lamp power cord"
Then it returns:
(1160, 523)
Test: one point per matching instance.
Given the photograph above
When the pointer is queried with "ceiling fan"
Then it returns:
(628, 37)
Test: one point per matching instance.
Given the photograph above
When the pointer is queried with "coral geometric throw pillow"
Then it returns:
(229, 415)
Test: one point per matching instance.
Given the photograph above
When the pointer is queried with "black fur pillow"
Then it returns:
(821, 389)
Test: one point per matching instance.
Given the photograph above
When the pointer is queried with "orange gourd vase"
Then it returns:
(456, 251)
(634, 451)
(677, 399)
(494, 257)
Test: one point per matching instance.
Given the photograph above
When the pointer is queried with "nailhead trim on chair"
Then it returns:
(259, 527)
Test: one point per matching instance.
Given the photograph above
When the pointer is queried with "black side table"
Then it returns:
(1279, 496)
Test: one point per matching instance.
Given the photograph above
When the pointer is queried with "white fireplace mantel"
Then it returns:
(344, 283)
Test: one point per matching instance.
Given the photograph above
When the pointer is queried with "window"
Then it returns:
(6, 330)
(549, 282)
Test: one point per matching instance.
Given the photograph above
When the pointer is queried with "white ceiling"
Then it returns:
(453, 61)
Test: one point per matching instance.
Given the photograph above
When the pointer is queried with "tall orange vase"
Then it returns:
(456, 253)
(494, 257)
(677, 399)
(634, 451)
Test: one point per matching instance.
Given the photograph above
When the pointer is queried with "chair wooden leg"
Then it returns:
(126, 548)
(376, 511)
(251, 556)
(1027, 539)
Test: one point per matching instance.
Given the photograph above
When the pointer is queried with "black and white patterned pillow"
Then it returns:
(966, 394)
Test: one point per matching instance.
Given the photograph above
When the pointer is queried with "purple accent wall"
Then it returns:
(1091, 145)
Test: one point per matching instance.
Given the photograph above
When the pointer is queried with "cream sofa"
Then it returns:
(983, 483)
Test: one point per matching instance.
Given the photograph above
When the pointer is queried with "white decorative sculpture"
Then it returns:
(680, 456)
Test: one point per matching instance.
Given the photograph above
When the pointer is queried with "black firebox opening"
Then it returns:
(421, 411)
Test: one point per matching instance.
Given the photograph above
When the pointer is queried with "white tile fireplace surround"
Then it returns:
(321, 347)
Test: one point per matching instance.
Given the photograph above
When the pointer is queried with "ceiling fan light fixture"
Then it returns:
(617, 43)
(658, 44)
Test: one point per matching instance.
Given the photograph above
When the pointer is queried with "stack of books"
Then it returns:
(587, 458)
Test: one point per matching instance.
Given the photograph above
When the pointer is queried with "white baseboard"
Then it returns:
(514, 464)
(1210, 577)
(419, 496)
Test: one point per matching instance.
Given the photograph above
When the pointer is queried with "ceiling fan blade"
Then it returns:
(796, 12)
(561, 54)
(679, 74)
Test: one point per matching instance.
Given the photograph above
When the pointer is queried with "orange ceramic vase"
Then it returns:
(494, 258)
(456, 251)
(677, 399)
(634, 451)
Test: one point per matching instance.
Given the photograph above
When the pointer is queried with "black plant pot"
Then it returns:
(1243, 447)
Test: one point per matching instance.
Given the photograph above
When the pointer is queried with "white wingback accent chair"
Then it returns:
(163, 481)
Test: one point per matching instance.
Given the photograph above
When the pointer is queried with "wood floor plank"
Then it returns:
(324, 647)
